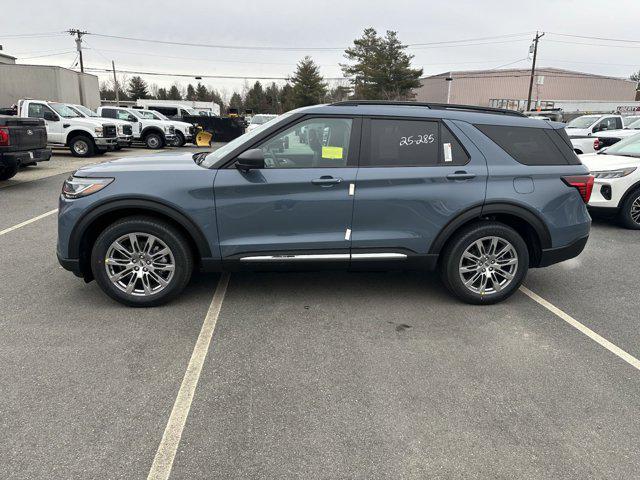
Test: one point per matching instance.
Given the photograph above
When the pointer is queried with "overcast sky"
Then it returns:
(320, 24)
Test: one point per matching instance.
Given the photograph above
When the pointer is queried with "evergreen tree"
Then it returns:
(236, 101)
(255, 99)
(272, 97)
(307, 84)
(162, 94)
(214, 96)
(138, 88)
(381, 69)
(202, 94)
(174, 93)
(191, 93)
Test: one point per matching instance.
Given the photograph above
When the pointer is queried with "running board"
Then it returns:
(325, 257)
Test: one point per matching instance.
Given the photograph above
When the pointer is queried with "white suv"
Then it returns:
(616, 188)
(152, 132)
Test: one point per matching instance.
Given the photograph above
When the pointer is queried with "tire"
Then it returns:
(494, 237)
(82, 146)
(179, 140)
(118, 148)
(153, 141)
(145, 290)
(630, 211)
(100, 152)
(8, 172)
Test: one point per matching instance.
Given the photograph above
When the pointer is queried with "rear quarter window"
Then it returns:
(531, 145)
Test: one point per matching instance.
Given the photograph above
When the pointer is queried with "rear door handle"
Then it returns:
(326, 181)
(461, 175)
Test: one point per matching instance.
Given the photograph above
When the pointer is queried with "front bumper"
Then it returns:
(28, 157)
(106, 143)
(560, 254)
(125, 140)
(70, 264)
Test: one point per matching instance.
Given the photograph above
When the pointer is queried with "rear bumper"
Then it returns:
(26, 157)
(560, 254)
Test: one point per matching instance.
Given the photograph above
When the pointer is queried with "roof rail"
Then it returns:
(433, 106)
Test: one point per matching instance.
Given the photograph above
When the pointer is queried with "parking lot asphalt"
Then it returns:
(316, 374)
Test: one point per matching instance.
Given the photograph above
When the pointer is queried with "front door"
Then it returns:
(298, 207)
(415, 176)
(55, 128)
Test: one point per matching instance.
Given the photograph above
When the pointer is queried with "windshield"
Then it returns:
(191, 111)
(216, 155)
(582, 122)
(148, 114)
(65, 111)
(629, 147)
(635, 125)
(156, 115)
(84, 110)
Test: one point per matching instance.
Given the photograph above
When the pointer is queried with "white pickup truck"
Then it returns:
(153, 133)
(125, 129)
(582, 130)
(85, 137)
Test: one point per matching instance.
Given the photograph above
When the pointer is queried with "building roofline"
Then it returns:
(46, 66)
(8, 56)
(522, 72)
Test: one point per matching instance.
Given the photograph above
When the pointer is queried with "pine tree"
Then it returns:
(162, 94)
(255, 99)
(191, 93)
(287, 101)
(174, 93)
(382, 69)
(138, 88)
(202, 94)
(236, 101)
(307, 83)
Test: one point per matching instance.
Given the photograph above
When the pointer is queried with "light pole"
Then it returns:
(449, 79)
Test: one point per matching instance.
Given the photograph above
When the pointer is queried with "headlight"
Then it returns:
(167, 129)
(623, 172)
(99, 131)
(76, 187)
(121, 129)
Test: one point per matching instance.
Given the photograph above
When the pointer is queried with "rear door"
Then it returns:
(415, 176)
(298, 207)
(55, 129)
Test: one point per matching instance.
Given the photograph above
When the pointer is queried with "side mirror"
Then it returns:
(131, 118)
(50, 116)
(250, 160)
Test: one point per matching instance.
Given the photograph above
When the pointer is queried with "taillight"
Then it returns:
(584, 184)
(4, 136)
(596, 144)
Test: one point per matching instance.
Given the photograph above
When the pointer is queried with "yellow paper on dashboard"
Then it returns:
(334, 153)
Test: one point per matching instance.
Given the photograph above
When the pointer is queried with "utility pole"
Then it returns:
(533, 67)
(115, 84)
(79, 34)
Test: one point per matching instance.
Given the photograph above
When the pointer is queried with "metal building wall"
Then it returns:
(479, 87)
(47, 83)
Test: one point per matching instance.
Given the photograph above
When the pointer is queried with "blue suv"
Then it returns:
(479, 194)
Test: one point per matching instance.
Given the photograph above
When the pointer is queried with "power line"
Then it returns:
(47, 55)
(595, 38)
(592, 44)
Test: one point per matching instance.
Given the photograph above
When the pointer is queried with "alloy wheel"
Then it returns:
(139, 264)
(635, 210)
(81, 147)
(488, 265)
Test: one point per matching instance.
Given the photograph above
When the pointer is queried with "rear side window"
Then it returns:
(453, 153)
(528, 145)
(108, 113)
(402, 143)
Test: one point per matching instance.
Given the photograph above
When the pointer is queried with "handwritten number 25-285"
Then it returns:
(417, 139)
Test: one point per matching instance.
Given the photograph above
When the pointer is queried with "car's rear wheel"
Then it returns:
(630, 211)
(141, 261)
(485, 263)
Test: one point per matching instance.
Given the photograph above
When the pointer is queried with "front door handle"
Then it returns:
(326, 181)
(461, 175)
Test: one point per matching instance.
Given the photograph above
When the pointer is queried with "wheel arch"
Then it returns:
(88, 228)
(77, 133)
(147, 130)
(527, 223)
(633, 188)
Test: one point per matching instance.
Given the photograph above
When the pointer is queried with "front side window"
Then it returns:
(606, 124)
(123, 115)
(314, 143)
(402, 143)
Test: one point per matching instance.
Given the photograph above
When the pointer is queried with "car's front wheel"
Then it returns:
(630, 211)
(153, 141)
(485, 263)
(179, 140)
(82, 146)
(141, 261)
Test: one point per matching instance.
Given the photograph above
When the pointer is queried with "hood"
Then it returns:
(148, 164)
(181, 124)
(618, 133)
(598, 162)
(89, 122)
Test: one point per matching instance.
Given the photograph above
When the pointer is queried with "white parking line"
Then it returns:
(630, 359)
(163, 461)
(27, 222)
